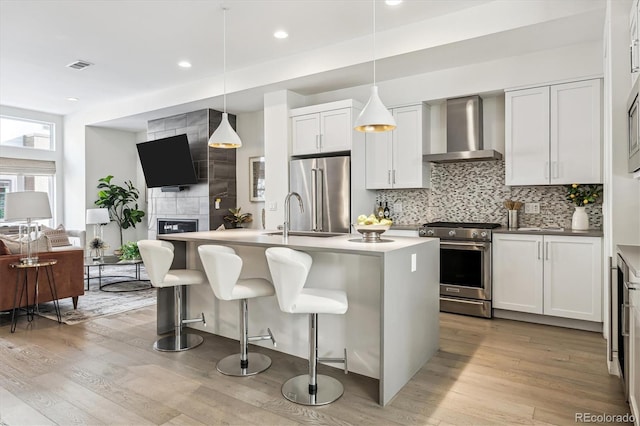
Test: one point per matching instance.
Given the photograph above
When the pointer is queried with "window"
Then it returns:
(26, 175)
(19, 132)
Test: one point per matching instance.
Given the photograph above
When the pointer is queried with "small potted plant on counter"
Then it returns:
(236, 219)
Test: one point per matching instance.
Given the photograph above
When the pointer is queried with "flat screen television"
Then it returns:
(167, 162)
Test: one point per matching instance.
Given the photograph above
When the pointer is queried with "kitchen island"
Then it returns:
(391, 328)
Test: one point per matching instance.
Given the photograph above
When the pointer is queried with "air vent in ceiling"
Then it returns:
(79, 64)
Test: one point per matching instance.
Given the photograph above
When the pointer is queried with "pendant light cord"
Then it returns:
(374, 42)
(224, 58)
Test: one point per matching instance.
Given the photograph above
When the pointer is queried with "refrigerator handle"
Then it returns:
(319, 198)
(314, 200)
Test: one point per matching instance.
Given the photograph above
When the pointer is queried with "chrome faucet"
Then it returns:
(287, 213)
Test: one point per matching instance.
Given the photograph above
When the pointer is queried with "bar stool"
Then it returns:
(157, 257)
(222, 266)
(289, 270)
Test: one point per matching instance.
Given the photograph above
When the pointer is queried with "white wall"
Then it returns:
(112, 152)
(250, 127)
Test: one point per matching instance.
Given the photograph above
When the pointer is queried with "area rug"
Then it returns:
(99, 303)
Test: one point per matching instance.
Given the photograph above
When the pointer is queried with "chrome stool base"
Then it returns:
(182, 342)
(230, 365)
(296, 390)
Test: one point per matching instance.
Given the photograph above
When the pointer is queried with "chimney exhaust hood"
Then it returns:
(464, 133)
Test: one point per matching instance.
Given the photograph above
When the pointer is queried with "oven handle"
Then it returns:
(468, 302)
(465, 245)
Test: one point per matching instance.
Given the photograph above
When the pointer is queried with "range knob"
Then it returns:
(452, 233)
(474, 234)
(483, 234)
(430, 232)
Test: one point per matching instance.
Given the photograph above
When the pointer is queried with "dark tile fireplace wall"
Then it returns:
(215, 168)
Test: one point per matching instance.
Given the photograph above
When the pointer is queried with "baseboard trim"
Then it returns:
(548, 320)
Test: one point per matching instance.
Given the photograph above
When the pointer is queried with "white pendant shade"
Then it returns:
(375, 117)
(225, 136)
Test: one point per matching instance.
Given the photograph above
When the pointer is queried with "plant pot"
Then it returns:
(580, 219)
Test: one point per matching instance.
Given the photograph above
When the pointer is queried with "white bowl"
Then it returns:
(371, 233)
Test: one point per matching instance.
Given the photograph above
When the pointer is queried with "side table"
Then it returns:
(23, 270)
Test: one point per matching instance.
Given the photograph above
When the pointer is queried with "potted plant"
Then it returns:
(582, 195)
(97, 247)
(237, 219)
(130, 251)
(121, 202)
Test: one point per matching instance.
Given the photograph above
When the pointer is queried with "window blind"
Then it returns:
(20, 166)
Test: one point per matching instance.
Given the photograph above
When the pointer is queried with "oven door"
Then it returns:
(465, 269)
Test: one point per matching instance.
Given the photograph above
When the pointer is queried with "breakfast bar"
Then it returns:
(391, 327)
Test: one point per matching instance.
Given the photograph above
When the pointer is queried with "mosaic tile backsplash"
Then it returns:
(475, 192)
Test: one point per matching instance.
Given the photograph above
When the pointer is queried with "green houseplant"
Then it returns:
(130, 251)
(236, 218)
(122, 202)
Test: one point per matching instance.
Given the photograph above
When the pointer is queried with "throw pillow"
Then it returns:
(57, 237)
(12, 242)
(4, 250)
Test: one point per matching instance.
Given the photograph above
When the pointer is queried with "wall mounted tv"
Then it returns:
(167, 163)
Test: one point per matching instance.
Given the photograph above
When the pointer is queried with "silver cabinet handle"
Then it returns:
(546, 170)
(394, 177)
(318, 142)
(546, 250)
(389, 177)
(625, 330)
(320, 139)
(632, 47)
(539, 245)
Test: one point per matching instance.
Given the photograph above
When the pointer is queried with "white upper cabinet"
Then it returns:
(394, 159)
(323, 128)
(553, 134)
(547, 274)
(634, 41)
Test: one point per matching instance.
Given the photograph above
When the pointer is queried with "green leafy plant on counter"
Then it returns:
(581, 194)
(236, 218)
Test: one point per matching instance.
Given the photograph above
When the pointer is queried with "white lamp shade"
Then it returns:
(375, 117)
(27, 206)
(97, 216)
(225, 136)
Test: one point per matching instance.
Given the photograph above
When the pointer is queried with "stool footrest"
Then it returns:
(201, 319)
(263, 337)
(337, 360)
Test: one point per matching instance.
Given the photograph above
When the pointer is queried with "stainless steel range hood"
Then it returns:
(464, 133)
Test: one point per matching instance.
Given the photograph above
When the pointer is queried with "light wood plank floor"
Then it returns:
(487, 372)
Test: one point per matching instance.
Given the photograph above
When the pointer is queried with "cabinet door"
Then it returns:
(517, 272)
(573, 277)
(576, 132)
(335, 130)
(634, 353)
(634, 41)
(305, 132)
(378, 160)
(408, 148)
(527, 136)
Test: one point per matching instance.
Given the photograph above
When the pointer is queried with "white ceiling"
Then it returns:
(135, 46)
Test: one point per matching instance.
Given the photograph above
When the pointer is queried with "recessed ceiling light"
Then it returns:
(393, 2)
(280, 34)
(72, 99)
(184, 64)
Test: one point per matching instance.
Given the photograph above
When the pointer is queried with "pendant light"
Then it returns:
(225, 136)
(375, 117)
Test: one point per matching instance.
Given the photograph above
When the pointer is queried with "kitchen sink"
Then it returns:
(309, 234)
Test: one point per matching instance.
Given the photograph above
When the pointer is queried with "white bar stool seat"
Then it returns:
(223, 266)
(289, 270)
(157, 256)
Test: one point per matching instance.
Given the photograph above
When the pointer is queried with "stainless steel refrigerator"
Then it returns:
(324, 185)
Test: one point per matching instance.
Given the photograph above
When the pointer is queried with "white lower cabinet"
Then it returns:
(547, 274)
(634, 354)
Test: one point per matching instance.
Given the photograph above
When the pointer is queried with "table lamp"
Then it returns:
(27, 205)
(97, 218)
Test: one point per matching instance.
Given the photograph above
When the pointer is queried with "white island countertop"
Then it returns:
(347, 243)
(391, 328)
(631, 256)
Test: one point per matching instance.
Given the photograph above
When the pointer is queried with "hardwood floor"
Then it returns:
(486, 372)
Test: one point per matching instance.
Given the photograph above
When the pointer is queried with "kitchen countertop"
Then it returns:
(550, 231)
(631, 256)
(347, 243)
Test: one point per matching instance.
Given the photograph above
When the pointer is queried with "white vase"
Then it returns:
(580, 219)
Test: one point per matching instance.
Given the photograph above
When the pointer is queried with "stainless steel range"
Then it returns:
(465, 266)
